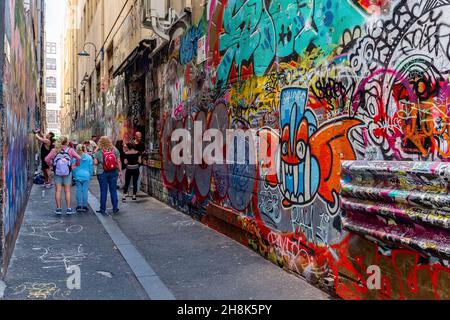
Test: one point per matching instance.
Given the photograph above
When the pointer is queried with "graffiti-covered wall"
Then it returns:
(326, 81)
(19, 98)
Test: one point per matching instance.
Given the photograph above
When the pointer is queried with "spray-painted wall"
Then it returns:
(337, 80)
(19, 96)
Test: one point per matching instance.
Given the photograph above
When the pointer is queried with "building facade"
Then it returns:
(321, 82)
(107, 35)
(52, 87)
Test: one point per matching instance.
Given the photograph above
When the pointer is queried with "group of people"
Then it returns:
(79, 163)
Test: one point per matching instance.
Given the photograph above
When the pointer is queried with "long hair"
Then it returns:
(81, 149)
(62, 142)
(105, 144)
(52, 137)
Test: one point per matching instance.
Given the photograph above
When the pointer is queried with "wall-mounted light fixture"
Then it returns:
(84, 53)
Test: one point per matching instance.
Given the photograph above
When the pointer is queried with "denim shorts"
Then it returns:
(65, 181)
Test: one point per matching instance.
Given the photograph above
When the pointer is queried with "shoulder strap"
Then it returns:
(66, 150)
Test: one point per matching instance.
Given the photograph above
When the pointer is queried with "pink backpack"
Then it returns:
(109, 161)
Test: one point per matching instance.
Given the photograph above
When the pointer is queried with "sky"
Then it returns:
(54, 16)
(54, 32)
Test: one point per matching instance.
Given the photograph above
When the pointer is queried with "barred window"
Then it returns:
(51, 97)
(51, 48)
(51, 64)
(52, 116)
(51, 82)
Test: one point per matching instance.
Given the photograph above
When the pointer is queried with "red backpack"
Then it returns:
(109, 161)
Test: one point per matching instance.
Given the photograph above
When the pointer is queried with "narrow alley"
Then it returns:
(224, 150)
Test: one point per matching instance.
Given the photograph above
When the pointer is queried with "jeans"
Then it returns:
(82, 193)
(131, 173)
(63, 181)
(108, 180)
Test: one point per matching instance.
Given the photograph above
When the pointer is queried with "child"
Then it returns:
(61, 158)
(82, 175)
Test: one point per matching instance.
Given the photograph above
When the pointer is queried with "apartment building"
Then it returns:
(52, 87)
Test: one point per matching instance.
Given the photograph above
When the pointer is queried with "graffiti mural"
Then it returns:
(310, 159)
(256, 35)
(188, 46)
(19, 95)
(321, 82)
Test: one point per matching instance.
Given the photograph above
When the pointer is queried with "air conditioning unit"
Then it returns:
(158, 16)
(154, 8)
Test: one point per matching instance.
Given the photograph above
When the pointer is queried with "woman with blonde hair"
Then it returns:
(109, 169)
(60, 159)
(82, 175)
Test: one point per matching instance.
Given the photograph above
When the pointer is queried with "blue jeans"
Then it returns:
(108, 180)
(82, 193)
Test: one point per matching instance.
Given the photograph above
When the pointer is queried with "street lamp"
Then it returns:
(84, 53)
(69, 93)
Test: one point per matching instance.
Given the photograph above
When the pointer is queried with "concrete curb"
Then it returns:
(152, 284)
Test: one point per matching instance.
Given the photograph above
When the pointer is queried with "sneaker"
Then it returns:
(58, 212)
(103, 213)
(79, 209)
(116, 211)
(85, 209)
(134, 198)
(69, 211)
(124, 199)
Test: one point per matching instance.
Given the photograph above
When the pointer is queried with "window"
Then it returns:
(51, 82)
(51, 97)
(52, 116)
(51, 48)
(51, 64)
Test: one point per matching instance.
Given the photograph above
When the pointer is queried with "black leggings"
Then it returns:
(131, 173)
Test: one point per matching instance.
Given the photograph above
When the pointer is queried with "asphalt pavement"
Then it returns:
(148, 251)
(195, 262)
(52, 251)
